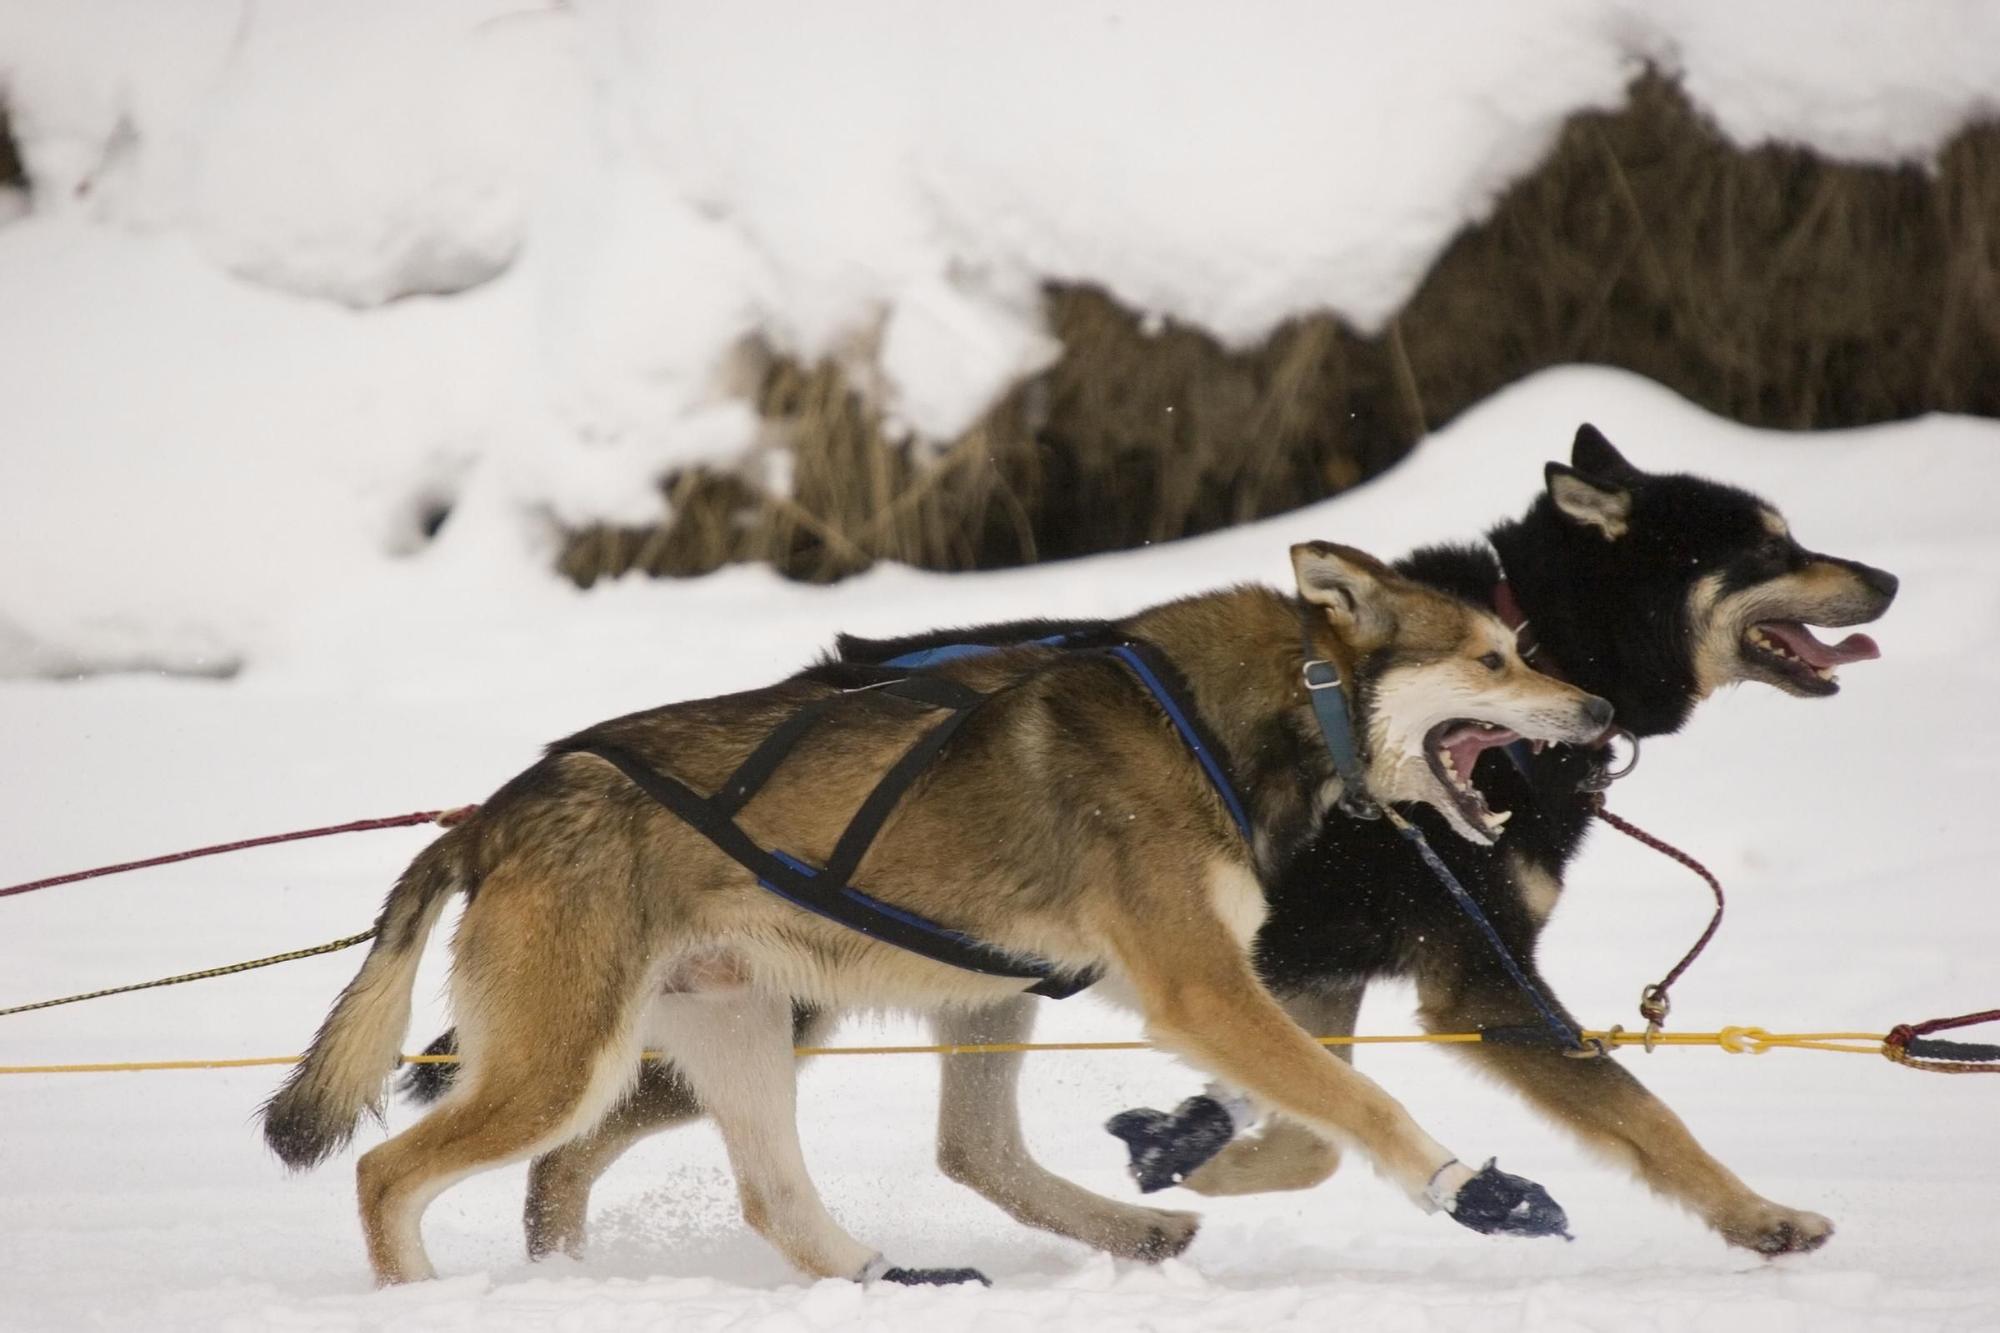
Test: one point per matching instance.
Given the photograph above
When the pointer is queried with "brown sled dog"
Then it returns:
(1065, 822)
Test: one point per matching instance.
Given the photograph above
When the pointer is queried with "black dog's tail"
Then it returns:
(426, 1083)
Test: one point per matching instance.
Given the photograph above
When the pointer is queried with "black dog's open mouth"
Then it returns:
(1790, 649)
(1452, 748)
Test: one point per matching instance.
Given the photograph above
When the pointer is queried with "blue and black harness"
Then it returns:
(829, 890)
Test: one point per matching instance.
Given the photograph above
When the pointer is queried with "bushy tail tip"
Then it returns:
(314, 1114)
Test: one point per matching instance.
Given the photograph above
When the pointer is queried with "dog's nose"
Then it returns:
(1598, 712)
(1878, 581)
(1881, 580)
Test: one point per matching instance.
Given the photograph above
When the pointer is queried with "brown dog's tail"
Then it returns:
(352, 1055)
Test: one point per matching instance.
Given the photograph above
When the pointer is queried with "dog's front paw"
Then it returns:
(1771, 1229)
(1494, 1203)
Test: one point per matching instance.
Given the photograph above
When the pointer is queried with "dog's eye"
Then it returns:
(1493, 661)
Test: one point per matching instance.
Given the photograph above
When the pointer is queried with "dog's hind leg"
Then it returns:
(560, 1181)
(1285, 1154)
(528, 1086)
(734, 1048)
(980, 1145)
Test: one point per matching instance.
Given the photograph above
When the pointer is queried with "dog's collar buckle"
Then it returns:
(1336, 728)
(1508, 607)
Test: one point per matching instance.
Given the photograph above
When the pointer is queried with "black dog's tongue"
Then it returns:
(1808, 649)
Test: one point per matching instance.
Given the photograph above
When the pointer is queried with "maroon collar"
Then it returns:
(1508, 606)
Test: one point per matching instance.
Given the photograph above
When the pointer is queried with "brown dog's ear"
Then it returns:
(1350, 584)
(1599, 504)
(1592, 453)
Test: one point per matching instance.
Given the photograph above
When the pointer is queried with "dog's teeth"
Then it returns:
(1444, 758)
(1499, 820)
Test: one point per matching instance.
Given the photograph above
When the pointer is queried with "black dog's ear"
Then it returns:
(1589, 501)
(1593, 453)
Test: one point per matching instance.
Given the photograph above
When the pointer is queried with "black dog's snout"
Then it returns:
(1598, 712)
(1878, 581)
(1881, 580)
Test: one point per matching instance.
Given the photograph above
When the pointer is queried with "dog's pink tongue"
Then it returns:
(1808, 649)
(1465, 743)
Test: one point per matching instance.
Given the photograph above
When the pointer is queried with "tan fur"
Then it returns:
(1066, 822)
(980, 1146)
(1540, 891)
(1238, 899)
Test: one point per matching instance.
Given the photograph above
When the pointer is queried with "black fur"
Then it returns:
(425, 1083)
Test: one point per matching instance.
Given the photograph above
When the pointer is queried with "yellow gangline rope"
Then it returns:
(1735, 1040)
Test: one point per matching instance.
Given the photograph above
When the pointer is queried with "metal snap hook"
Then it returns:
(1625, 735)
(1602, 779)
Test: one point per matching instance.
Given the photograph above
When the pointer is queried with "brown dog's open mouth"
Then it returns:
(1452, 749)
(1790, 649)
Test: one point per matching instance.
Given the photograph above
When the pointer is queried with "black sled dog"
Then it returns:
(1652, 591)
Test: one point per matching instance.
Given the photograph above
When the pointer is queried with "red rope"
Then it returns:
(443, 818)
(1943, 1057)
(1653, 1001)
(1939, 1057)
(1903, 1032)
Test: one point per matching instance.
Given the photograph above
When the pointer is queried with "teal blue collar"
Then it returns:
(1336, 728)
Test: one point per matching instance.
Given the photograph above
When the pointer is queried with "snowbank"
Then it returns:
(229, 383)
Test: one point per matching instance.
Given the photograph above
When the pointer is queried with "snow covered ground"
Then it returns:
(1852, 833)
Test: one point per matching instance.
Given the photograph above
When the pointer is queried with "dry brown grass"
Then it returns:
(12, 173)
(1769, 286)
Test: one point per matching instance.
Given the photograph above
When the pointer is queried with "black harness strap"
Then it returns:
(822, 894)
(859, 835)
(828, 891)
(751, 775)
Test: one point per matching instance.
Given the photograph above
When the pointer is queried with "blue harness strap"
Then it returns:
(1154, 675)
(1152, 670)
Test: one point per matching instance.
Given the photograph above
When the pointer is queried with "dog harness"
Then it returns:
(828, 890)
